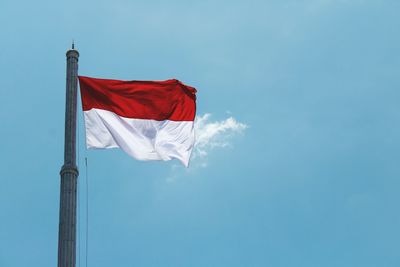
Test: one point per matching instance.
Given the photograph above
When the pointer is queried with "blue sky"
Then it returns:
(305, 173)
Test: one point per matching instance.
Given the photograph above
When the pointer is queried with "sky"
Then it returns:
(297, 154)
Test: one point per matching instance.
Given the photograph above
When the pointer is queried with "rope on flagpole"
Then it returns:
(79, 204)
(78, 186)
(87, 210)
(79, 227)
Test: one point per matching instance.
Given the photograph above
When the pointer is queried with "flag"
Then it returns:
(149, 120)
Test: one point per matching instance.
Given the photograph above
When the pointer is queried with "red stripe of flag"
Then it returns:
(155, 100)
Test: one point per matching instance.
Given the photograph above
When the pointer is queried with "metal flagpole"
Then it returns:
(69, 171)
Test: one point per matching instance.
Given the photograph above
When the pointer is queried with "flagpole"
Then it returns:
(69, 171)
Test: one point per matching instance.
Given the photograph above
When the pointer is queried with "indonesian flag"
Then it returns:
(149, 120)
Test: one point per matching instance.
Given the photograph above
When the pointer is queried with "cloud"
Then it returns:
(210, 135)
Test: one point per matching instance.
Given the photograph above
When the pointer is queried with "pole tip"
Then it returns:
(72, 52)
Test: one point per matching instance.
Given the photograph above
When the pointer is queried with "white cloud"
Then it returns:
(212, 134)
